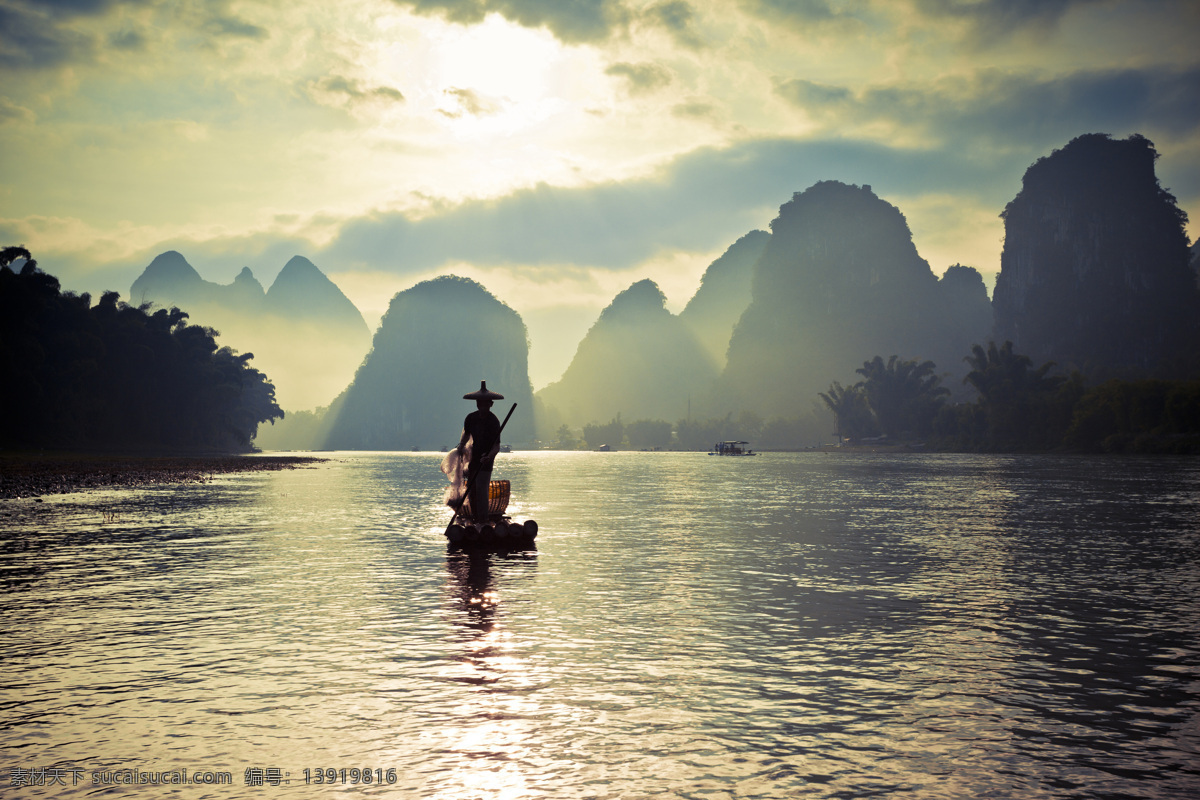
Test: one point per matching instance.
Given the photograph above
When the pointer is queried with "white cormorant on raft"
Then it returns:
(479, 502)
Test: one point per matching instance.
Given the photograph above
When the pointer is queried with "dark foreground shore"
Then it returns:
(34, 475)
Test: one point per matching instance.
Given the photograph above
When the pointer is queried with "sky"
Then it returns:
(554, 151)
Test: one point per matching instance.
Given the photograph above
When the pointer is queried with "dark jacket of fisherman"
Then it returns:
(483, 427)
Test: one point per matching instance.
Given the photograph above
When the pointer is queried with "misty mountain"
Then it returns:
(170, 279)
(301, 291)
(304, 332)
(963, 298)
(838, 283)
(724, 294)
(1095, 272)
(638, 360)
(434, 344)
(245, 292)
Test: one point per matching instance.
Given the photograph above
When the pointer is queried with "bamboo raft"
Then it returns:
(500, 531)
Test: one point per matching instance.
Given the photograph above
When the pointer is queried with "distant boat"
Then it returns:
(506, 448)
(731, 449)
(603, 448)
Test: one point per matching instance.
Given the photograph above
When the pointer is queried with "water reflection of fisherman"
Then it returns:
(475, 588)
(482, 429)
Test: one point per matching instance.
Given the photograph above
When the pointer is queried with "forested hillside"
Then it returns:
(113, 376)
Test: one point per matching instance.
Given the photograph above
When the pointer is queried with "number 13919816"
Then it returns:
(353, 775)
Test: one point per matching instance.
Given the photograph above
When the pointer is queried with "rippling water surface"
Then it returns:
(813, 625)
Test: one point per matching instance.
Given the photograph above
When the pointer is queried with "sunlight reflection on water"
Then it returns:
(826, 625)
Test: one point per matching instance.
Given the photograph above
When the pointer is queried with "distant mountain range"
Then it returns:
(776, 318)
(1095, 275)
(306, 335)
(300, 293)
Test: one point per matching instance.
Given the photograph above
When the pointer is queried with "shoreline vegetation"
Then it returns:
(31, 475)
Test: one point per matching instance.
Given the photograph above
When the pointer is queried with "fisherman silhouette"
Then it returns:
(482, 430)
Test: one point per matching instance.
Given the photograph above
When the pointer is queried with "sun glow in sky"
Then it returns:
(555, 152)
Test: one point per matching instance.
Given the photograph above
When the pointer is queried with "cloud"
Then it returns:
(80, 7)
(804, 14)
(222, 25)
(813, 96)
(46, 34)
(703, 200)
(699, 203)
(677, 18)
(974, 25)
(468, 101)
(572, 22)
(11, 112)
(1000, 108)
(338, 90)
(996, 19)
(641, 78)
(997, 22)
(696, 109)
(1128, 99)
(32, 39)
(127, 39)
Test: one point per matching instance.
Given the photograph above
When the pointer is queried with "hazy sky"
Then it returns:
(555, 151)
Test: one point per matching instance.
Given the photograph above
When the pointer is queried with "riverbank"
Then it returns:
(38, 474)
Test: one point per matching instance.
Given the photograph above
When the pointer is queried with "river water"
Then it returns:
(789, 625)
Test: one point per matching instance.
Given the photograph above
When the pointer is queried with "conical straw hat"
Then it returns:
(484, 393)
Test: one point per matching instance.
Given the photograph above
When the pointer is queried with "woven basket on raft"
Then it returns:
(498, 494)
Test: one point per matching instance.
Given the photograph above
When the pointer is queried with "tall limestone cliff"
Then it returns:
(638, 360)
(724, 294)
(434, 344)
(304, 332)
(840, 282)
(1095, 274)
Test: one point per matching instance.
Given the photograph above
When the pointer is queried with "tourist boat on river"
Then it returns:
(731, 449)
(500, 532)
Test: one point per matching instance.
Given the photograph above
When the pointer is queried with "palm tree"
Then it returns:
(1010, 392)
(850, 409)
(905, 395)
(999, 374)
